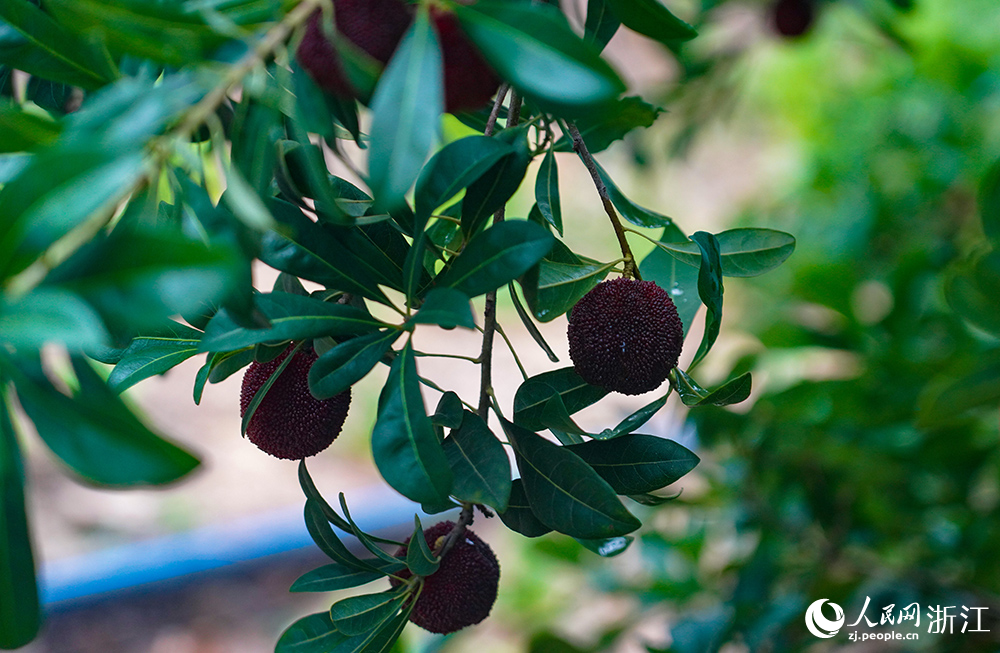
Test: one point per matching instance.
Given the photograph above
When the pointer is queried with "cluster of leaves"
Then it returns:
(117, 131)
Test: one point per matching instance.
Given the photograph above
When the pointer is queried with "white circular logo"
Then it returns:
(819, 625)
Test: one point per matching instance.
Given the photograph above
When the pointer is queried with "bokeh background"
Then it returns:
(865, 464)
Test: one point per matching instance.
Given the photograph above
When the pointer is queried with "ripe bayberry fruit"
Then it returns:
(793, 18)
(377, 27)
(463, 589)
(625, 335)
(289, 422)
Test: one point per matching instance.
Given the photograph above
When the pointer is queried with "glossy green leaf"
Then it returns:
(149, 356)
(652, 19)
(547, 191)
(328, 542)
(564, 492)
(972, 291)
(406, 109)
(530, 325)
(496, 256)
(557, 419)
(449, 411)
(22, 130)
(532, 395)
(292, 317)
(306, 250)
(601, 23)
(420, 560)
(744, 252)
(333, 577)
(20, 613)
(360, 614)
(609, 547)
(366, 540)
(347, 363)
(612, 123)
(709, 290)
(447, 308)
(518, 516)
(457, 165)
(732, 392)
(479, 464)
(989, 203)
(52, 51)
(405, 447)
(635, 420)
(312, 634)
(533, 46)
(225, 364)
(637, 464)
(553, 288)
(50, 315)
(634, 213)
(94, 433)
(679, 279)
(312, 493)
(491, 191)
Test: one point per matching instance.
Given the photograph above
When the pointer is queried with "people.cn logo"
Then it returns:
(818, 624)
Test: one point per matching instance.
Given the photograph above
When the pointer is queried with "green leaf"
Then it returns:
(601, 23)
(565, 493)
(20, 613)
(366, 540)
(360, 614)
(679, 279)
(328, 542)
(486, 195)
(22, 130)
(533, 46)
(347, 363)
(635, 420)
(50, 315)
(529, 324)
(637, 464)
(307, 250)
(745, 252)
(405, 447)
(312, 634)
(612, 123)
(51, 50)
(496, 256)
(709, 290)
(479, 464)
(420, 560)
(449, 411)
(518, 516)
(547, 191)
(947, 400)
(650, 18)
(447, 308)
(972, 290)
(553, 288)
(225, 364)
(93, 432)
(292, 317)
(533, 394)
(609, 547)
(457, 165)
(989, 203)
(148, 356)
(406, 110)
(313, 494)
(634, 213)
(732, 392)
(333, 577)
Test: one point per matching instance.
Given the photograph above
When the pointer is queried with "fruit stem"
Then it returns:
(455, 534)
(631, 271)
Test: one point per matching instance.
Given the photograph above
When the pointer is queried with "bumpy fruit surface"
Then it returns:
(377, 27)
(793, 17)
(463, 589)
(625, 335)
(290, 423)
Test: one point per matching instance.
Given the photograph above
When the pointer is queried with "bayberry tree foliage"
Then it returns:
(124, 120)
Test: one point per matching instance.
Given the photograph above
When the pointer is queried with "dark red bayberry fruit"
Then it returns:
(625, 335)
(463, 589)
(290, 423)
(793, 17)
(377, 27)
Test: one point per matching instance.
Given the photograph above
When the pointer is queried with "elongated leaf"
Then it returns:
(989, 203)
(496, 186)
(557, 419)
(446, 307)
(533, 46)
(341, 367)
(148, 356)
(366, 540)
(635, 420)
(359, 614)
(94, 433)
(637, 464)
(518, 516)
(419, 558)
(22, 130)
(652, 19)
(457, 165)
(479, 463)
(601, 24)
(612, 123)
(564, 492)
(20, 614)
(405, 447)
(262, 391)
(449, 411)
(547, 191)
(312, 634)
(972, 290)
(529, 324)
(679, 279)
(50, 315)
(312, 492)
(496, 256)
(634, 213)
(949, 400)
(292, 317)
(744, 252)
(554, 288)
(532, 395)
(406, 107)
(333, 577)
(328, 542)
(709, 290)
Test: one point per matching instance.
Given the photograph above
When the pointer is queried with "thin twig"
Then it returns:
(631, 270)
(491, 123)
(456, 533)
